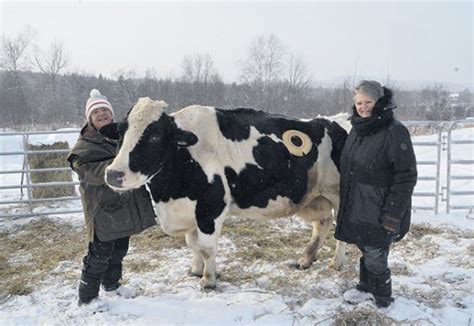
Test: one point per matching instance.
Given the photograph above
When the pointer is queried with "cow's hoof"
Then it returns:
(197, 274)
(206, 285)
(305, 263)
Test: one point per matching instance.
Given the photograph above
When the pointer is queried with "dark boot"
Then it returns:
(380, 285)
(88, 289)
(112, 276)
(363, 285)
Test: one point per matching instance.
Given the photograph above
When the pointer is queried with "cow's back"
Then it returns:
(245, 148)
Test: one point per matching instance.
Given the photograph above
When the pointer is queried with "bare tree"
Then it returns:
(343, 94)
(200, 81)
(199, 68)
(13, 53)
(51, 62)
(299, 78)
(261, 71)
(264, 63)
(297, 84)
(13, 59)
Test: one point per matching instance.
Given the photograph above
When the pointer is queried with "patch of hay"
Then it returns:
(155, 239)
(421, 230)
(431, 297)
(32, 251)
(259, 240)
(50, 160)
(366, 316)
(151, 243)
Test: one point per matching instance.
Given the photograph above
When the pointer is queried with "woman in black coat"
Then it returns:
(378, 174)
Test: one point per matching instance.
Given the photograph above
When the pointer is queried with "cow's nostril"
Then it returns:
(114, 178)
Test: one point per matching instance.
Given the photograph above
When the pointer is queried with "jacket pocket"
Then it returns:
(367, 204)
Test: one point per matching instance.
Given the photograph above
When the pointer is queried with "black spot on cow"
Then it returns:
(210, 206)
(182, 177)
(278, 173)
(235, 124)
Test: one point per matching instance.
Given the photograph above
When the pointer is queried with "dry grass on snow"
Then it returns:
(30, 252)
(33, 251)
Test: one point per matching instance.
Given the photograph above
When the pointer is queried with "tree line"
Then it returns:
(37, 90)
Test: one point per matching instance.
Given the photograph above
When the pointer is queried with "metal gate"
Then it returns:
(460, 172)
(434, 178)
(19, 193)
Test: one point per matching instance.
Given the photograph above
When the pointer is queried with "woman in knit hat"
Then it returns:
(378, 174)
(110, 218)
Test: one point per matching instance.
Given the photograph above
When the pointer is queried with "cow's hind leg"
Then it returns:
(320, 213)
(339, 258)
(320, 230)
(198, 263)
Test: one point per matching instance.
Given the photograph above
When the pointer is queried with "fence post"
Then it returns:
(27, 168)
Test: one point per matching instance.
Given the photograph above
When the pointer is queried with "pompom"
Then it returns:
(95, 93)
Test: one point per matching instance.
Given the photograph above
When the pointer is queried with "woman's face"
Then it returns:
(364, 104)
(101, 117)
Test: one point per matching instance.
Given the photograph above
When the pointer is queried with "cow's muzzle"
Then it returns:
(114, 178)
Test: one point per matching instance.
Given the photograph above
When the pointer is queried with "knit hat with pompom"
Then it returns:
(97, 101)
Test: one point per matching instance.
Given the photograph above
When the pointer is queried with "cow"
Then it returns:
(203, 164)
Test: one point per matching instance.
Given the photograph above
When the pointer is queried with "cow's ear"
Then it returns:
(185, 138)
(110, 131)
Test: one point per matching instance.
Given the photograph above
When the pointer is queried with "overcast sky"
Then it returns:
(424, 41)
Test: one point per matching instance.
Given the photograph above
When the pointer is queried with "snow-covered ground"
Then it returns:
(432, 272)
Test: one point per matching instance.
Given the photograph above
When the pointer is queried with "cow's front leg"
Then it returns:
(211, 210)
(198, 263)
(320, 230)
(206, 247)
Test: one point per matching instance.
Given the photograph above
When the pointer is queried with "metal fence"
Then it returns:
(435, 192)
(23, 198)
(465, 166)
(434, 179)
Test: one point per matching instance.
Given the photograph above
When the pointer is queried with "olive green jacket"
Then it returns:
(110, 215)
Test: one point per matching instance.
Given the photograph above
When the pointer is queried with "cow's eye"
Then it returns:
(154, 139)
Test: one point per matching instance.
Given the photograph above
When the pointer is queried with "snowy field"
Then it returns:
(432, 271)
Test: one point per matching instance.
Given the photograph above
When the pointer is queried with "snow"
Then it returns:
(432, 275)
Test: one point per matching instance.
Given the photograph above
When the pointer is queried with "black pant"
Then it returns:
(375, 258)
(104, 258)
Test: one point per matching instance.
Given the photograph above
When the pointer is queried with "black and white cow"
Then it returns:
(203, 164)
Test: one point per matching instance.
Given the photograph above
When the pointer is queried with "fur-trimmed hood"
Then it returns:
(383, 104)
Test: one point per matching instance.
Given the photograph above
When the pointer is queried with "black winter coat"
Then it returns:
(108, 214)
(378, 174)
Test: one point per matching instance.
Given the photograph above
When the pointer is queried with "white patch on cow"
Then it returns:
(145, 112)
(342, 119)
(213, 151)
(177, 216)
(326, 169)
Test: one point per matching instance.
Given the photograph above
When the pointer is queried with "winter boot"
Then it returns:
(88, 289)
(380, 285)
(361, 291)
(112, 276)
(363, 285)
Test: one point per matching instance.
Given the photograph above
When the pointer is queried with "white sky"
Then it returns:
(422, 41)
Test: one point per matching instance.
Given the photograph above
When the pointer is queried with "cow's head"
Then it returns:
(147, 138)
